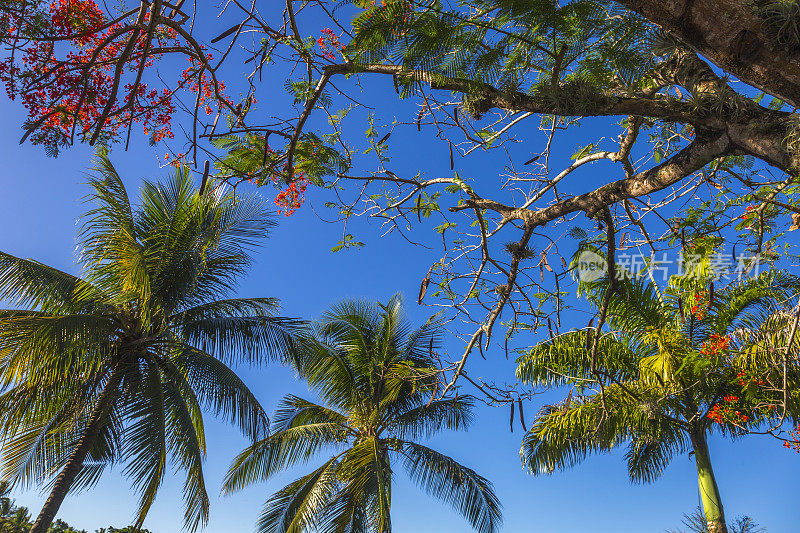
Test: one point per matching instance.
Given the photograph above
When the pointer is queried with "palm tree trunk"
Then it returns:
(707, 483)
(73, 467)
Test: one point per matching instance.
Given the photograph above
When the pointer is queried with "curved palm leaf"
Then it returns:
(444, 478)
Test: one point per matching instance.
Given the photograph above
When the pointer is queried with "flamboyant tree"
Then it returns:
(678, 150)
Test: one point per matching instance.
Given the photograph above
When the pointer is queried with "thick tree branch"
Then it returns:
(603, 105)
(689, 160)
(732, 35)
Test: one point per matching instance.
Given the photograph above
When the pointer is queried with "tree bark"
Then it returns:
(707, 484)
(67, 476)
(732, 35)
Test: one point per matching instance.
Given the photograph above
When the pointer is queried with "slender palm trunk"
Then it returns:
(73, 467)
(707, 483)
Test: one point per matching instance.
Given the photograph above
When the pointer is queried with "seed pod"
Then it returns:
(568, 401)
(419, 119)
(226, 33)
(385, 138)
(452, 163)
(423, 288)
(545, 263)
(511, 421)
(521, 415)
(203, 183)
(710, 295)
(419, 208)
(550, 327)
(532, 160)
(455, 115)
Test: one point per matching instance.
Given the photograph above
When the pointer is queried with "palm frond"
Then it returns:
(648, 455)
(145, 445)
(297, 507)
(33, 285)
(219, 389)
(241, 330)
(442, 477)
(301, 429)
(566, 359)
(426, 420)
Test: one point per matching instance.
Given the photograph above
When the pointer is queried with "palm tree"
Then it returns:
(696, 523)
(116, 366)
(6, 503)
(19, 521)
(376, 378)
(672, 372)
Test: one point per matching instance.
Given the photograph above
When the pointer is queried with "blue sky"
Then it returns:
(40, 201)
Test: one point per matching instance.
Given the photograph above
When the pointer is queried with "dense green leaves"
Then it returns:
(512, 44)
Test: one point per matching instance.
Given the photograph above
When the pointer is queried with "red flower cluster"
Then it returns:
(728, 413)
(793, 444)
(329, 43)
(66, 79)
(747, 210)
(716, 345)
(697, 309)
(291, 198)
(745, 380)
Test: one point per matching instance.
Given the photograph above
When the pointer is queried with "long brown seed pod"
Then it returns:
(203, 183)
(226, 33)
(452, 163)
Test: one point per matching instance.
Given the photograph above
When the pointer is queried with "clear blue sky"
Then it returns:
(40, 200)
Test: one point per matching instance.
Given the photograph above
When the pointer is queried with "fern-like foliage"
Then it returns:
(538, 46)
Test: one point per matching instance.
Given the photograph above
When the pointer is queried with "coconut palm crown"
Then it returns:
(674, 368)
(115, 366)
(376, 378)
